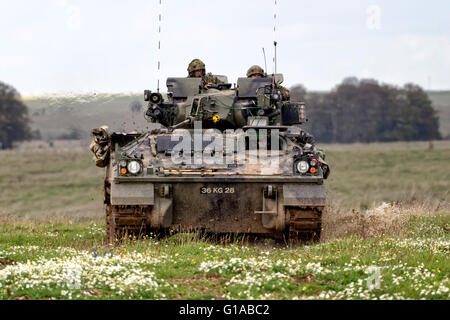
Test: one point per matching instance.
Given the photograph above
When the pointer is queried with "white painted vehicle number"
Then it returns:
(217, 190)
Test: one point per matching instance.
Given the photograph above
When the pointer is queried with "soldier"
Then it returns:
(258, 72)
(197, 69)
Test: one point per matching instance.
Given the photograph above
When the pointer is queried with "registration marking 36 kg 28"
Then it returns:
(217, 190)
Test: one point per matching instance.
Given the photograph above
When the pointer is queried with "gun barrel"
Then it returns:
(187, 121)
(274, 114)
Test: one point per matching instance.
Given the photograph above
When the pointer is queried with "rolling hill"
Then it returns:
(74, 115)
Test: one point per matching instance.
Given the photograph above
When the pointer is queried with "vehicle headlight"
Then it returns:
(302, 166)
(134, 167)
(123, 164)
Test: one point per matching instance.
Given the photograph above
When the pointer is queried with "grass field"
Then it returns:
(70, 262)
(365, 175)
(52, 185)
(387, 219)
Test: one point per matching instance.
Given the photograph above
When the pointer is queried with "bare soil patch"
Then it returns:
(5, 262)
(307, 278)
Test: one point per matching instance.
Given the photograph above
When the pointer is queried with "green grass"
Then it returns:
(61, 265)
(51, 185)
(62, 186)
(366, 175)
(51, 218)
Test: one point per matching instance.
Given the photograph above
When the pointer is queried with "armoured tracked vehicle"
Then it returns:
(222, 160)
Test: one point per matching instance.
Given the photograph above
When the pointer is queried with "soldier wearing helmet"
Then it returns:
(258, 72)
(197, 69)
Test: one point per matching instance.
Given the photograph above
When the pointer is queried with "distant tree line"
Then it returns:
(366, 111)
(14, 121)
(354, 111)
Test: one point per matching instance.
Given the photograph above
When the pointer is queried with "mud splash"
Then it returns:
(385, 219)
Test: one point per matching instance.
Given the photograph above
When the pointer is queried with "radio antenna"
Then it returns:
(275, 45)
(265, 60)
(275, 39)
(159, 42)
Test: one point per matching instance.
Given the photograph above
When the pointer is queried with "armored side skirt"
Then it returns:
(242, 205)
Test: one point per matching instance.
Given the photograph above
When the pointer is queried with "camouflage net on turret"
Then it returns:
(100, 146)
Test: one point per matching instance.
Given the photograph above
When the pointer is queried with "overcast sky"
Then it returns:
(54, 46)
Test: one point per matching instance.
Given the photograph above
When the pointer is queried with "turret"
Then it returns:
(252, 103)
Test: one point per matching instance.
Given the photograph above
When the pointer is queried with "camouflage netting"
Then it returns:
(100, 146)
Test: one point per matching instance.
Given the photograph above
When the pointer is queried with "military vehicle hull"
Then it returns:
(275, 207)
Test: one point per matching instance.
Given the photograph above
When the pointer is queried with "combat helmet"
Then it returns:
(255, 70)
(195, 65)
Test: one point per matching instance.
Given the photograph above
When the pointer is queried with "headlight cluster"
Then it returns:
(302, 166)
(130, 167)
(307, 165)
